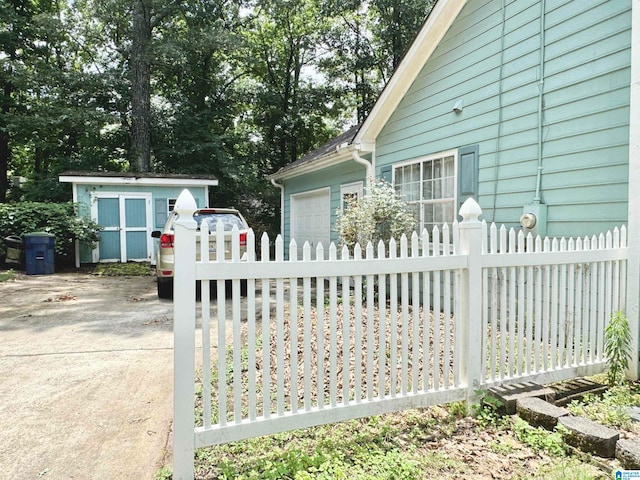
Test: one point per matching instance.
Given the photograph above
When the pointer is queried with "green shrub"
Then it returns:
(380, 215)
(617, 347)
(57, 218)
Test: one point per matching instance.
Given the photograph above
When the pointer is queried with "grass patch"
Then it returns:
(7, 275)
(610, 408)
(568, 469)
(130, 269)
(381, 447)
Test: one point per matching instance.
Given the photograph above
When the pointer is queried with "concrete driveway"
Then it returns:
(86, 378)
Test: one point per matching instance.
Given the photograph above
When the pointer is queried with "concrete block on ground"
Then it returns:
(509, 394)
(628, 453)
(590, 436)
(540, 413)
(576, 389)
(634, 413)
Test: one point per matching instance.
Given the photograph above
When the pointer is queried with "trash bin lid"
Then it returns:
(39, 234)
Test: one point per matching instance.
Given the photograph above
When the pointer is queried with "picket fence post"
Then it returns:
(470, 323)
(184, 321)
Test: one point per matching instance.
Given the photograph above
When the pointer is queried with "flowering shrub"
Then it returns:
(379, 215)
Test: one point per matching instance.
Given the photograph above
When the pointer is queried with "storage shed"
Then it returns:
(129, 206)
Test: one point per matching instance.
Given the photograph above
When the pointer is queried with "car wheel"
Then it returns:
(165, 288)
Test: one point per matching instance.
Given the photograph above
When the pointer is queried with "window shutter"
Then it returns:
(161, 212)
(385, 174)
(468, 165)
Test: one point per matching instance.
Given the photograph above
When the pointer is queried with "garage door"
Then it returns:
(310, 220)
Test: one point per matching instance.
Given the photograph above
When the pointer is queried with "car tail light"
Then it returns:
(166, 240)
(243, 239)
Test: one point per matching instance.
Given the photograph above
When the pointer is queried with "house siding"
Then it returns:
(494, 68)
(333, 177)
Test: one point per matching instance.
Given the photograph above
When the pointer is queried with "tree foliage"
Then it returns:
(233, 88)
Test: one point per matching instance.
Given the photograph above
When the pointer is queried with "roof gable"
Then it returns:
(430, 35)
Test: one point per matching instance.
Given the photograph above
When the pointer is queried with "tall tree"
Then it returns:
(16, 40)
(146, 16)
(140, 65)
(367, 42)
(293, 106)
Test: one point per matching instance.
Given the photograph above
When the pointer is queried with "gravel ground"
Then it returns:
(86, 368)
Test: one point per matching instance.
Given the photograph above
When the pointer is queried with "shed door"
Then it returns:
(126, 222)
(310, 220)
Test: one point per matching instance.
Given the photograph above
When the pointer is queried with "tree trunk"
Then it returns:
(5, 151)
(141, 87)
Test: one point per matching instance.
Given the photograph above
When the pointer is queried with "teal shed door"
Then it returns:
(126, 223)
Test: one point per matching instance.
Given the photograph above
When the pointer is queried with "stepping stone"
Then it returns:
(539, 413)
(575, 389)
(634, 413)
(509, 394)
(590, 436)
(628, 453)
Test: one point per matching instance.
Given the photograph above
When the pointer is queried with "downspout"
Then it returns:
(536, 198)
(368, 165)
(281, 187)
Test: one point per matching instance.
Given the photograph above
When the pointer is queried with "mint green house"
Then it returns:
(129, 206)
(530, 107)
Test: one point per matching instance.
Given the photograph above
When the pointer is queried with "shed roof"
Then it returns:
(135, 178)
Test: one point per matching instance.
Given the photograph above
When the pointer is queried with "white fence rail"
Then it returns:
(426, 321)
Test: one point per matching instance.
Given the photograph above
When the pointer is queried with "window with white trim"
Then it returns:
(428, 186)
(349, 194)
(171, 203)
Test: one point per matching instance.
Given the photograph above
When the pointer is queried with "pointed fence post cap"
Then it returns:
(185, 202)
(470, 211)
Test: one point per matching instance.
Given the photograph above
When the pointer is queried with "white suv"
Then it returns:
(165, 255)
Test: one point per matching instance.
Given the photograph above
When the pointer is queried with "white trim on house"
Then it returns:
(350, 188)
(420, 203)
(340, 156)
(633, 220)
(435, 27)
(148, 181)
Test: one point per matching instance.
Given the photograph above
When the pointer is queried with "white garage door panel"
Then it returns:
(311, 220)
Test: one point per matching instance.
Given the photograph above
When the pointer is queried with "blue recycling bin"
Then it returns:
(39, 253)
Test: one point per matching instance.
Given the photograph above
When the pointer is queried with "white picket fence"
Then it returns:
(427, 321)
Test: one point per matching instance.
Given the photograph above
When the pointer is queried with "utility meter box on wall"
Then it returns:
(534, 219)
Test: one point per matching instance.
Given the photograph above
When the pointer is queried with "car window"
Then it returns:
(229, 220)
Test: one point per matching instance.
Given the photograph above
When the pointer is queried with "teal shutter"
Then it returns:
(161, 212)
(468, 165)
(385, 174)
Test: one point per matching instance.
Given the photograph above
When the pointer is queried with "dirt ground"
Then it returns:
(86, 369)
